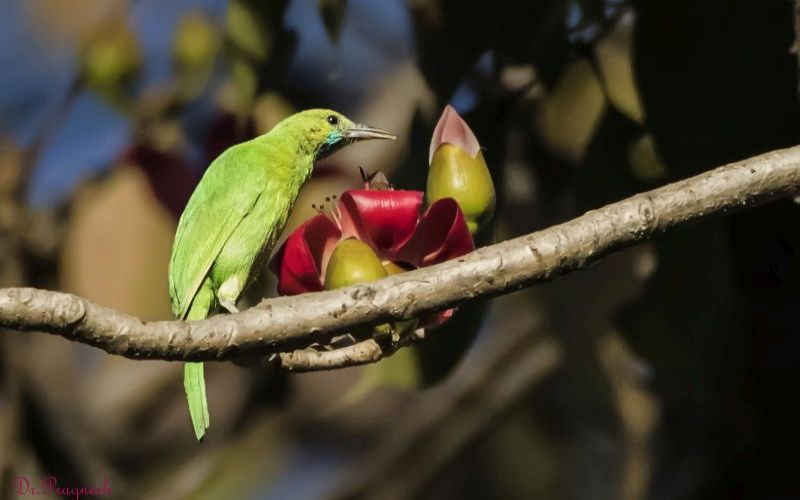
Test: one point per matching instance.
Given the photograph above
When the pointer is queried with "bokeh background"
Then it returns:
(666, 371)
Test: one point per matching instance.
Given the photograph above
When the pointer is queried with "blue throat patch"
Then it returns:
(334, 141)
(333, 138)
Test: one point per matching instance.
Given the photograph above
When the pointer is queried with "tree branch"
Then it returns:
(285, 323)
(360, 353)
(306, 360)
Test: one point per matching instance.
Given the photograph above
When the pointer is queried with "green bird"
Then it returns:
(236, 215)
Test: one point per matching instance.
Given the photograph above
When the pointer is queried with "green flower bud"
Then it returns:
(455, 174)
(458, 170)
(352, 262)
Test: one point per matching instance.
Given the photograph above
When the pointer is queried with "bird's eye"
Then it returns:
(333, 120)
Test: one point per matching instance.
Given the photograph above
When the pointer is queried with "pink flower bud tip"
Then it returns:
(452, 129)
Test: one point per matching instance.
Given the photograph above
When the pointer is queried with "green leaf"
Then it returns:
(332, 13)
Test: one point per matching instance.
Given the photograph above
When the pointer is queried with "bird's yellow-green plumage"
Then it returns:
(235, 216)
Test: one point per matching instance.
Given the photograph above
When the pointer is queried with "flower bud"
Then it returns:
(110, 59)
(352, 262)
(458, 170)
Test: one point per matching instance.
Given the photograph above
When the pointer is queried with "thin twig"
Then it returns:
(286, 323)
(360, 353)
(305, 360)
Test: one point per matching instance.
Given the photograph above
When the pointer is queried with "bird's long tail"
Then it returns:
(195, 385)
(194, 382)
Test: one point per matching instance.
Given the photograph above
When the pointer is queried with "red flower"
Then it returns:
(389, 221)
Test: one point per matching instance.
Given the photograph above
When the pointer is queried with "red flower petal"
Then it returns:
(442, 234)
(300, 261)
(384, 220)
(432, 320)
(452, 129)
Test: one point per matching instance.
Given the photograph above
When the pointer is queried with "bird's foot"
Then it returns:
(229, 306)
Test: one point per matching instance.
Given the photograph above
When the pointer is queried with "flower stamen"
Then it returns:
(330, 209)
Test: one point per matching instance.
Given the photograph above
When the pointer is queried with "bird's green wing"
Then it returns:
(226, 194)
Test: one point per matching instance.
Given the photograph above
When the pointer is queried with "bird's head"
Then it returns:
(326, 131)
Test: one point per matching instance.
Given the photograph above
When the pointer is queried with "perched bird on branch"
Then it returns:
(235, 216)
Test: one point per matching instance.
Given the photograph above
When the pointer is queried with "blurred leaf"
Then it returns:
(614, 56)
(333, 15)
(196, 40)
(247, 28)
(644, 162)
(569, 114)
(194, 50)
(110, 61)
(254, 30)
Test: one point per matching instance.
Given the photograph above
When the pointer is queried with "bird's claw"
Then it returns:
(229, 306)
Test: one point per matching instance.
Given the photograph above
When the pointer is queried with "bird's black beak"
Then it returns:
(363, 133)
